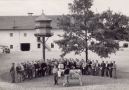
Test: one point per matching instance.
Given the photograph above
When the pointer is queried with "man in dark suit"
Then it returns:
(107, 68)
(43, 68)
(110, 69)
(102, 68)
(36, 68)
(12, 72)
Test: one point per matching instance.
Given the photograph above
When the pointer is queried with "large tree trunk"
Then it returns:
(86, 46)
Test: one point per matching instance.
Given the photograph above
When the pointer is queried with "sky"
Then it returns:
(57, 7)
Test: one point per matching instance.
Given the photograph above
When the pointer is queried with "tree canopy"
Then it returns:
(84, 30)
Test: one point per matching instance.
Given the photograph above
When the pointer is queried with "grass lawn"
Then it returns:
(89, 82)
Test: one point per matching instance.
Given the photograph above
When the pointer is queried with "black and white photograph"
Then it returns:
(64, 44)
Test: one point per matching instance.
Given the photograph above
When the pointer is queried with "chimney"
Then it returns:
(30, 14)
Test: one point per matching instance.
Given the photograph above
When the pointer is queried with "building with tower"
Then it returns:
(17, 33)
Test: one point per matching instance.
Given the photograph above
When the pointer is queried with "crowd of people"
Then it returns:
(34, 69)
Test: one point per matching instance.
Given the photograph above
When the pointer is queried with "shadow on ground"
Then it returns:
(88, 80)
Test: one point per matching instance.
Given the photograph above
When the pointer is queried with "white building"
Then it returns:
(17, 32)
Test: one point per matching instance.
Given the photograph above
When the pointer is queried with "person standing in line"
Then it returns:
(107, 68)
(66, 78)
(93, 67)
(19, 72)
(77, 64)
(36, 68)
(60, 67)
(89, 67)
(114, 67)
(30, 73)
(102, 68)
(50, 68)
(33, 70)
(110, 69)
(55, 73)
(22, 71)
(39, 69)
(12, 72)
(97, 68)
(43, 68)
(84, 68)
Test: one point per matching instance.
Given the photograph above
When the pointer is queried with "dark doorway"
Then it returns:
(25, 46)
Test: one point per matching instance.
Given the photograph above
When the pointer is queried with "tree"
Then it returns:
(109, 28)
(82, 25)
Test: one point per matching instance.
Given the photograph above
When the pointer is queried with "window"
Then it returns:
(39, 45)
(38, 39)
(11, 46)
(52, 45)
(125, 45)
(11, 34)
(25, 34)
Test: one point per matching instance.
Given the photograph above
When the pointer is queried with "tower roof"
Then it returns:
(42, 17)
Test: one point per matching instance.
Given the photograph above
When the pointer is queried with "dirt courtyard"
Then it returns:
(89, 82)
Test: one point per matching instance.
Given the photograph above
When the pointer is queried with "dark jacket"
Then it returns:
(103, 65)
(66, 72)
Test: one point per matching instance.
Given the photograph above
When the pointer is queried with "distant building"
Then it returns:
(17, 33)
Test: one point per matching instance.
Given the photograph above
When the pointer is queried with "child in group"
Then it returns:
(55, 73)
